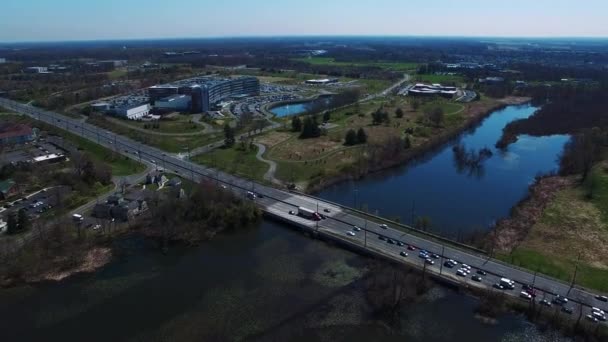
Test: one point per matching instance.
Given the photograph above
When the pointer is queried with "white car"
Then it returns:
(461, 273)
(383, 226)
(591, 318)
(349, 233)
(430, 261)
(466, 266)
(525, 295)
(594, 309)
(357, 229)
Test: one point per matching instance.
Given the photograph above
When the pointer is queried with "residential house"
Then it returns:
(11, 134)
(8, 188)
(157, 178)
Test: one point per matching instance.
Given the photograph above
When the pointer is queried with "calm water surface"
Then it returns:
(268, 284)
(458, 201)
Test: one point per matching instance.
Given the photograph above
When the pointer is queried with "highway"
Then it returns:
(340, 220)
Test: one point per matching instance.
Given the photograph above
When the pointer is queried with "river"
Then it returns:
(270, 283)
(458, 201)
(267, 283)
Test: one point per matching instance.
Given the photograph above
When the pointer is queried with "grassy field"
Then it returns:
(428, 78)
(236, 160)
(303, 161)
(571, 226)
(397, 66)
(374, 86)
(175, 124)
(116, 74)
(174, 144)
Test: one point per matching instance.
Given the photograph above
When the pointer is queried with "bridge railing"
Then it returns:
(405, 227)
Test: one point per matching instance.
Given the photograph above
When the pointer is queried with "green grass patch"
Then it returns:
(173, 144)
(237, 160)
(560, 268)
(448, 108)
(388, 65)
(432, 78)
(175, 125)
(116, 74)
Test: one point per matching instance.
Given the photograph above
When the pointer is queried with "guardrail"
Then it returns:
(393, 223)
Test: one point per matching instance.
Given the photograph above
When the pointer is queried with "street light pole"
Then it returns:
(442, 259)
(365, 243)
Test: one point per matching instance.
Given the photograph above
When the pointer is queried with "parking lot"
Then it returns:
(36, 203)
(28, 152)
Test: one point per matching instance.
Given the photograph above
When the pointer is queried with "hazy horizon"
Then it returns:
(72, 20)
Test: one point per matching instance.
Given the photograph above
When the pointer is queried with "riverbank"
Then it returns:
(510, 232)
(473, 118)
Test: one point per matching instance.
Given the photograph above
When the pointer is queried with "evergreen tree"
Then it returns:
(296, 124)
(11, 224)
(310, 128)
(228, 135)
(361, 136)
(407, 142)
(351, 138)
(399, 113)
(326, 116)
(23, 221)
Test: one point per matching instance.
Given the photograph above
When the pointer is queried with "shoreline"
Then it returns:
(96, 258)
(509, 232)
(418, 151)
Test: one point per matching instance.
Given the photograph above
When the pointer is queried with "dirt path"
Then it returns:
(269, 175)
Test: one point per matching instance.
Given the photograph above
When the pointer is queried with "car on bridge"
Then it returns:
(522, 294)
(383, 226)
(403, 254)
(349, 233)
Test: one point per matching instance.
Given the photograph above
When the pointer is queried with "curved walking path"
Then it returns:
(269, 175)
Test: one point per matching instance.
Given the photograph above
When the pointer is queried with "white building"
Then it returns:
(36, 70)
(133, 112)
(174, 102)
(2, 226)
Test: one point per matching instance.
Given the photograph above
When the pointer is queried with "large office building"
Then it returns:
(204, 92)
(432, 90)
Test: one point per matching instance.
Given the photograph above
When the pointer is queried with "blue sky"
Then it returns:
(40, 20)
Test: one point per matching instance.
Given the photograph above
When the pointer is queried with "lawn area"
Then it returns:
(173, 144)
(448, 107)
(374, 86)
(121, 166)
(176, 124)
(116, 74)
(431, 78)
(237, 160)
(397, 66)
(572, 225)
